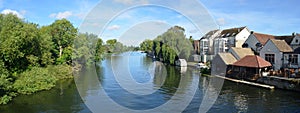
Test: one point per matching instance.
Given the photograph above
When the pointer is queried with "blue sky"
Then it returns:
(266, 16)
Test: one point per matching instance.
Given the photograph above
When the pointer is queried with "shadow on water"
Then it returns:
(63, 98)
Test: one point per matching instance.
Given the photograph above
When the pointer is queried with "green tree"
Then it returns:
(176, 40)
(111, 42)
(63, 34)
(99, 50)
(146, 45)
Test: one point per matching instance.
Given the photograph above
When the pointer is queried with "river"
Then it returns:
(159, 87)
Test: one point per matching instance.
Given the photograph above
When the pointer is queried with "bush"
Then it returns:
(63, 71)
(34, 80)
(205, 71)
(6, 98)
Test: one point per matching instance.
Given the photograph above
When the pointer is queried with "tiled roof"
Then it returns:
(263, 38)
(287, 39)
(252, 61)
(209, 34)
(242, 52)
(228, 58)
(231, 32)
(282, 45)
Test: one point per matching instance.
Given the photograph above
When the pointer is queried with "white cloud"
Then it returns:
(18, 14)
(130, 2)
(114, 27)
(221, 21)
(61, 15)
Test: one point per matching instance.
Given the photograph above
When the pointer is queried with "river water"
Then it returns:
(152, 87)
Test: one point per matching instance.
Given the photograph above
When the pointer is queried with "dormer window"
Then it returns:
(227, 34)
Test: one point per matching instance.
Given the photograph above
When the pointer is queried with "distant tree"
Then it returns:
(111, 42)
(99, 50)
(146, 45)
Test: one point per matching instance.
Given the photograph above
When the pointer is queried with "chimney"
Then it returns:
(293, 33)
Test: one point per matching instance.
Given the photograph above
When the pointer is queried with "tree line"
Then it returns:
(169, 46)
(34, 58)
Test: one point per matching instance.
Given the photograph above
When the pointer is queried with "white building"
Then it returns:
(296, 41)
(206, 45)
(274, 52)
(234, 37)
(256, 41)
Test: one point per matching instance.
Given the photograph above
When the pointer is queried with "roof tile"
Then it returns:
(252, 61)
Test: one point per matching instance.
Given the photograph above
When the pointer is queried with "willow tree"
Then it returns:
(176, 40)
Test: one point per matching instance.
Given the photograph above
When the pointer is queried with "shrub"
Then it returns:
(62, 71)
(34, 80)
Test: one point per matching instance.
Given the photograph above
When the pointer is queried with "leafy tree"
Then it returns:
(146, 45)
(28, 53)
(111, 42)
(177, 41)
(99, 50)
(169, 46)
(157, 47)
(63, 34)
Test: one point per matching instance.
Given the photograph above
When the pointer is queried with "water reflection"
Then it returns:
(63, 98)
(168, 80)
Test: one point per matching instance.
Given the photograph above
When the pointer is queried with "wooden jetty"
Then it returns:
(246, 82)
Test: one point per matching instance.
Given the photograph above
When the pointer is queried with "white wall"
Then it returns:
(294, 43)
(242, 37)
(251, 41)
(270, 48)
(211, 42)
(218, 66)
(286, 61)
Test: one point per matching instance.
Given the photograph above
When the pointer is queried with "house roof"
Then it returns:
(210, 33)
(281, 45)
(242, 52)
(228, 58)
(252, 61)
(287, 39)
(263, 38)
(231, 32)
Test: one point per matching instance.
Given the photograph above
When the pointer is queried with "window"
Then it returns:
(296, 40)
(206, 44)
(293, 59)
(205, 51)
(233, 34)
(270, 58)
(228, 34)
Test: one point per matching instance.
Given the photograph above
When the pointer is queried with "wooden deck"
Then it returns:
(246, 82)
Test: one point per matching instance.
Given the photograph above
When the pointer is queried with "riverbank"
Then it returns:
(270, 82)
(292, 84)
(34, 80)
(246, 82)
